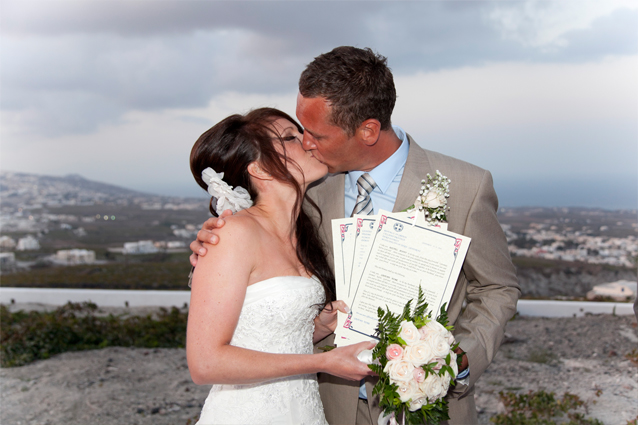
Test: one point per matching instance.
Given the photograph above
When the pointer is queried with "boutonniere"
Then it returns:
(432, 199)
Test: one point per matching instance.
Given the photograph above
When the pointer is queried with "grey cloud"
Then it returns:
(96, 60)
(609, 35)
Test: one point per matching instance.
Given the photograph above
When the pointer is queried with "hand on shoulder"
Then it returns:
(240, 231)
(206, 234)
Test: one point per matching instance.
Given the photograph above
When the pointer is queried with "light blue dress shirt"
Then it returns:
(387, 175)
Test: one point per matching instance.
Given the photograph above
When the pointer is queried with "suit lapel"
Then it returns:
(416, 168)
(330, 197)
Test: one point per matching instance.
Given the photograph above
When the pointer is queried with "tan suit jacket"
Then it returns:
(487, 282)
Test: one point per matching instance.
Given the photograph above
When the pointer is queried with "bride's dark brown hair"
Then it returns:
(237, 141)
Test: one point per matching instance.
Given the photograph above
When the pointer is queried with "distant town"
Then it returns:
(70, 220)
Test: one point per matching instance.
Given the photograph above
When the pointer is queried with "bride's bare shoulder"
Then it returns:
(239, 229)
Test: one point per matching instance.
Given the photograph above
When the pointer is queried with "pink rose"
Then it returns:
(419, 374)
(394, 351)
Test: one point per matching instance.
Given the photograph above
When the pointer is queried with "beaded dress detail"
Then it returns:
(277, 317)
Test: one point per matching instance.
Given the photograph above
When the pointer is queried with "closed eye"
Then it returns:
(291, 139)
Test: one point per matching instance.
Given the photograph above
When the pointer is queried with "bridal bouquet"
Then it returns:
(416, 364)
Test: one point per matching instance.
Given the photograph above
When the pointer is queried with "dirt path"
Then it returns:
(142, 386)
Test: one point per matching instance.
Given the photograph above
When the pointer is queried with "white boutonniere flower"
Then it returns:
(432, 199)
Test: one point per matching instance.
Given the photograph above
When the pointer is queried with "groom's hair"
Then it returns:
(356, 82)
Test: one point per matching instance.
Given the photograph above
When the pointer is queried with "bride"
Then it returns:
(255, 306)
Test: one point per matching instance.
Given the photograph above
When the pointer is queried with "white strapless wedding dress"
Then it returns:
(277, 317)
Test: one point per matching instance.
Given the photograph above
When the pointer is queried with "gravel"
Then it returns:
(585, 356)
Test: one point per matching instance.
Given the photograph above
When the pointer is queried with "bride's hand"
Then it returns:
(343, 362)
(326, 320)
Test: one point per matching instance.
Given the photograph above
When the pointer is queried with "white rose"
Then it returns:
(409, 333)
(418, 354)
(432, 387)
(440, 347)
(407, 390)
(450, 339)
(445, 380)
(439, 328)
(399, 370)
(435, 326)
(417, 403)
(441, 198)
(453, 365)
(431, 200)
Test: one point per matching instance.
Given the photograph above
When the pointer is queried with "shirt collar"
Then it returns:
(384, 173)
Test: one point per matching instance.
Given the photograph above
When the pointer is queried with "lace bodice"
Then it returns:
(277, 317)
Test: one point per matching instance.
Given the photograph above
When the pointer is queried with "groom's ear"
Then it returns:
(255, 170)
(369, 132)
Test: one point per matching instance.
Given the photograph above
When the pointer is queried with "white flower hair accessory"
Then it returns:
(236, 199)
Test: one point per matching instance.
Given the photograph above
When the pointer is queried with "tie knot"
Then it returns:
(366, 184)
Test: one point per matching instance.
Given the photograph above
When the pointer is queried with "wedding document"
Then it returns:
(381, 260)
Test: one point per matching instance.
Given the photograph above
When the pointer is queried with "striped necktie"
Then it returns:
(365, 186)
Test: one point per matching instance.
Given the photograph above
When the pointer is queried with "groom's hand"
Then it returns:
(465, 362)
(205, 235)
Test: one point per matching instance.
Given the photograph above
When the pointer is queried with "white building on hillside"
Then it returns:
(75, 256)
(141, 247)
(28, 243)
(621, 290)
(7, 243)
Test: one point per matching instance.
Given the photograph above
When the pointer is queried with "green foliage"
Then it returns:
(140, 275)
(541, 355)
(632, 357)
(542, 408)
(29, 336)
(388, 333)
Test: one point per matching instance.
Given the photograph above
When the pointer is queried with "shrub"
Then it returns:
(541, 408)
(29, 336)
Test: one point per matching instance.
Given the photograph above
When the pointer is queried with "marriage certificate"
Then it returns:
(382, 260)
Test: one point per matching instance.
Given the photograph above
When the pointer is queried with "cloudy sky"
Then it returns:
(542, 93)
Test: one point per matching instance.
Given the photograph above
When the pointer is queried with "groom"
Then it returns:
(345, 102)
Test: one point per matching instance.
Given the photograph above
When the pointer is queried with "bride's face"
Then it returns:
(312, 169)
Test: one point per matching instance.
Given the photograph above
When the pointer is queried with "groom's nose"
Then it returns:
(307, 143)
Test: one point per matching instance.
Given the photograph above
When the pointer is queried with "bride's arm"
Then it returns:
(217, 295)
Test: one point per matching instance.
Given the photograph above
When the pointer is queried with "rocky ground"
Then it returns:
(585, 356)
(594, 357)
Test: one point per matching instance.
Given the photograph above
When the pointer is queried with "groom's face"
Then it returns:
(328, 143)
